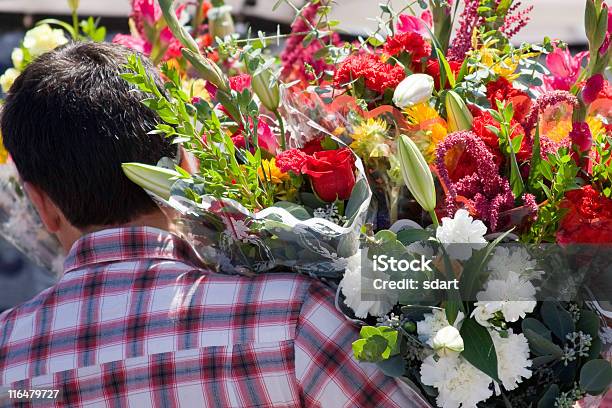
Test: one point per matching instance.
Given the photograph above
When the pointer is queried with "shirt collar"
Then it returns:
(126, 244)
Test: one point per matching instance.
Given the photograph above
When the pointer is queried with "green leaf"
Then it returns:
(452, 310)
(446, 73)
(294, 209)
(588, 323)
(537, 327)
(360, 193)
(558, 320)
(535, 160)
(479, 349)
(549, 397)
(596, 376)
(541, 346)
(409, 236)
(393, 367)
(474, 270)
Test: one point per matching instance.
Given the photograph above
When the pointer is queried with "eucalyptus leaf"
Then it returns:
(541, 346)
(596, 376)
(549, 397)
(394, 366)
(557, 319)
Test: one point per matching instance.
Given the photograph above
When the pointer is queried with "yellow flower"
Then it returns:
(272, 173)
(3, 152)
(596, 126)
(196, 88)
(504, 66)
(6, 80)
(369, 139)
(430, 128)
(42, 39)
(561, 129)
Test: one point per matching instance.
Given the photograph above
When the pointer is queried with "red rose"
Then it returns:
(502, 90)
(332, 173)
(588, 219)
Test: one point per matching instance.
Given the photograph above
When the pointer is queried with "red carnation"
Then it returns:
(292, 159)
(332, 173)
(502, 90)
(410, 42)
(378, 75)
(433, 70)
(588, 219)
(481, 128)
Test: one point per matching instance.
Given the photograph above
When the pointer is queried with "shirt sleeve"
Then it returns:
(327, 372)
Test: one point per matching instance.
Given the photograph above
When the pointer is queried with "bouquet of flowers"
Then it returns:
(254, 204)
(490, 140)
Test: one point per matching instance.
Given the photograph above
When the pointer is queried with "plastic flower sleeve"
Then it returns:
(284, 237)
(21, 226)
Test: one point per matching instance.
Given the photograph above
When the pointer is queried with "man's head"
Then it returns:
(69, 122)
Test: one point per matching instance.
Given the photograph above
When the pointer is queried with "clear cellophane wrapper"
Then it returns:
(21, 226)
(285, 237)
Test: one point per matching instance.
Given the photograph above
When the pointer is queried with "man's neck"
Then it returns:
(156, 219)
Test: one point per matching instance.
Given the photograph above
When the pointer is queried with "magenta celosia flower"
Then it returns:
(564, 69)
(295, 56)
(486, 191)
(470, 20)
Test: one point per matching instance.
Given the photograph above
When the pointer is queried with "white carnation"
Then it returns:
(461, 234)
(514, 297)
(515, 259)
(512, 359)
(351, 289)
(459, 383)
(42, 39)
(433, 323)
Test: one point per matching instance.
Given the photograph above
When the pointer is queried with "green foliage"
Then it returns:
(376, 344)
(555, 176)
(221, 172)
(508, 145)
(479, 350)
(602, 164)
(596, 376)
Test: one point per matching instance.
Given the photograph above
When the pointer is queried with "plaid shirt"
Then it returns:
(135, 323)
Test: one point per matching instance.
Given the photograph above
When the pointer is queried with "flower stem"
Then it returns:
(434, 218)
(281, 124)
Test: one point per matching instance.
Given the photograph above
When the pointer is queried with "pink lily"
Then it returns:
(409, 23)
(564, 69)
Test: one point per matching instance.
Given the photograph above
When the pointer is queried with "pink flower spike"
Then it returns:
(592, 88)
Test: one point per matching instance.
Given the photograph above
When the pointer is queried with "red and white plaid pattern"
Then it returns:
(134, 323)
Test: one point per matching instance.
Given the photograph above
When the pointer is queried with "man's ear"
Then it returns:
(49, 214)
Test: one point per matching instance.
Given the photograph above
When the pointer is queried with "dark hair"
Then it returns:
(70, 121)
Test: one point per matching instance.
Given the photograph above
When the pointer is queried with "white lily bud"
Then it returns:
(448, 340)
(415, 89)
(155, 180)
(266, 89)
(459, 116)
(74, 5)
(417, 174)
